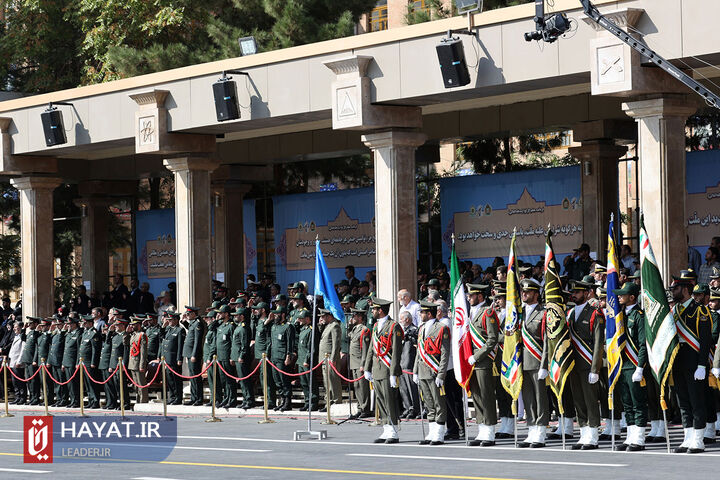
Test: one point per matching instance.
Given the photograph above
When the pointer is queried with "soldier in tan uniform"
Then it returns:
(382, 367)
(431, 364)
(359, 348)
(330, 345)
(138, 361)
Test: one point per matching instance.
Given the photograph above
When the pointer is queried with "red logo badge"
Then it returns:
(38, 439)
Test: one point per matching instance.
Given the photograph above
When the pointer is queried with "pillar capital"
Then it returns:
(35, 183)
(601, 149)
(394, 138)
(182, 164)
(663, 106)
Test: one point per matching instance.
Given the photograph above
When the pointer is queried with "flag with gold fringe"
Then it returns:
(560, 357)
(511, 371)
(615, 337)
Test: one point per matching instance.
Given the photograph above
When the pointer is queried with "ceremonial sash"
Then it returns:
(631, 350)
(381, 345)
(580, 346)
(478, 340)
(686, 334)
(135, 347)
(531, 344)
(429, 348)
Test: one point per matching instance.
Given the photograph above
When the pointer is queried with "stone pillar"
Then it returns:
(395, 211)
(36, 243)
(95, 252)
(192, 228)
(661, 152)
(229, 233)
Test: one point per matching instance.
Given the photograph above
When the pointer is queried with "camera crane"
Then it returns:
(549, 28)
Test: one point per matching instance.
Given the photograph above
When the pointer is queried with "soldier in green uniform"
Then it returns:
(634, 359)
(429, 370)
(54, 361)
(282, 354)
(89, 352)
(28, 359)
(382, 367)
(192, 351)
(210, 349)
(299, 305)
(587, 333)
(111, 395)
(261, 344)
(154, 334)
(70, 360)
(347, 303)
(171, 349)
(43, 349)
(359, 340)
(223, 342)
(484, 327)
(364, 300)
(241, 354)
(119, 347)
(305, 339)
(694, 328)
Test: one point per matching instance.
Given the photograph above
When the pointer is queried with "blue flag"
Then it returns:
(324, 285)
(615, 338)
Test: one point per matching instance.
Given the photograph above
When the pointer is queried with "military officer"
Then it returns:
(304, 348)
(70, 360)
(634, 360)
(364, 300)
(534, 366)
(28, 359)
(89, 352)
(484, 327)
(119, 347)
(300, 305)
(694, 327)
(209, 350)
(43, 349)
(359, 347)
(154, 333)
(138, 361)
(282, 355)
(587, 333)
(223, 343)
(171, 349)
(429, 370)
(261, 344)
(382, 367)
(241, 354)
(111, 395)
(192, 351)
(330, 345)
(54, 361)
(504, 400)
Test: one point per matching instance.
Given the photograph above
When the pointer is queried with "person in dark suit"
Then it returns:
(408, 389)
(141, 300)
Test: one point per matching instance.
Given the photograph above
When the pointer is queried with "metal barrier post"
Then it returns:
(7, 413)
(122, 387)
(44, 383)
(329, 420)
(82, 389)
(213, 418)
(265, 392)
(164, 385)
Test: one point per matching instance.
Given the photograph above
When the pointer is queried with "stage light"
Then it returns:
(248, 46)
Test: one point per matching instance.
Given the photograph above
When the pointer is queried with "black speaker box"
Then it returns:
(53, 127)
(226, 106)
(451, 56)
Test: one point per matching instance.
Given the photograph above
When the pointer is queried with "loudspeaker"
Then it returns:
(226, 106)
(53, 127)
(451, 56)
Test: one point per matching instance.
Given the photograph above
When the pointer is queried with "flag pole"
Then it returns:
(667, 432)
(465, 415)
(562, 429)
(612, 421)
(514, 411)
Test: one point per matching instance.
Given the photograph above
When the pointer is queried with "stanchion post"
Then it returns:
(266, 419)
(122, 387)
(82, 388)
(213, 418)
(44, 382)
(164, 386)
(7, 413)
(329, 420)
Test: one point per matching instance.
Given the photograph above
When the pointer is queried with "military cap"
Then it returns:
(600, 268)
(324, 311)
(210, 314)
(279, 309)
(172, 314)
(433, 282)
(379, 302)
(241, 293)
(635, 275)
(45, 321)
(299, 296)
(223, 309)
(363, 283)
(260, 306)
(240, 311)
(358, 310)
(525, 269)
(426, 306)
(344, 283)
(124, 321)
(135, 321)
(77, 320)
(241, 301)
(280, 297)
(33, 319)
(703, 288)
(150, 316)
(715, 273)
(601, 292)
(304, 314)
(499, 283)
(581, 285)
(189, 309)
(589, 279)
(87, 318)
(56, 320)
(477, 287)
(714, 294)
(530, 284)
(686, 276)
(500, 293)
(583, 247)
(297, 285)
(215, 305)
(119, 311)
(347, 299)
(629, 288)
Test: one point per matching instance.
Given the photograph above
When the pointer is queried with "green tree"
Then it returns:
(10, 241)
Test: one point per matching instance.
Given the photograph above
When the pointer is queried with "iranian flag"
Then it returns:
(461, 343)
(660, 332)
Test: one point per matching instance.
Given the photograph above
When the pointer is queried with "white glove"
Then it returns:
(471, 360)
(416, 379)
(393, 381)
(368, 376)
(637, 375)
(716, 372)
(700, 373)
(439, 382)
(593, 378)
(542, 374)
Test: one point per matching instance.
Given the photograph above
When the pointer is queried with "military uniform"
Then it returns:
(111, 394)
(90, 348)
(41, 355)
(171, 349)
(262, 344)
(54, 361)
(28, 358)
(223, 342)
(154, 337)
(484, 335)
(359, 347)
(138, 362)
(282, 346)
(192, 349)
(120, 347)
(330, 345)
(210, 349)
(305, 337)
(70, 363)
(429, 372)
(241, 354)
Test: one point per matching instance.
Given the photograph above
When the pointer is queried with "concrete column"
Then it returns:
(229, 232)
(599, 174)
(192, 228)
(395, 210)
(36, 243)
(95, 252)
(661, 147)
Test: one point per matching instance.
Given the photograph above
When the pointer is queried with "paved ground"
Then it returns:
(239, 447)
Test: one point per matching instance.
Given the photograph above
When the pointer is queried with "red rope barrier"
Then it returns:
(239, 379)
(77, 367)
(342, 377)
(142, 386)
(409, 373)
(24, 379)
(294, 374)
(97, 381)
(191, 377)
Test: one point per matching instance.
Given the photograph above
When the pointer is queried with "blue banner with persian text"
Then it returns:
(702, 203)
(483, 210)
(344, 222)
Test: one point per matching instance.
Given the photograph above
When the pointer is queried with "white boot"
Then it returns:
(430, 433)
(640, 436)
(540, 435)
(593, 436)
(623, 422)
(696, 443)
(717, 422)
(529, 439)
(569, 427)
(584, 434)
(629, 436)
(653, 429)
(507, 429)
(660, 431)
(481, 433)
(709, 433)
(490, 436)
(608, 427)
(392, 435)
(687, 441)
(383, 436)
(439, 437)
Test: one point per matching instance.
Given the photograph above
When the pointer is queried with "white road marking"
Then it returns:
(250, 450)
(487, 460)
(19, 470)
(11, 431)
(9, 440)
(153, 478)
